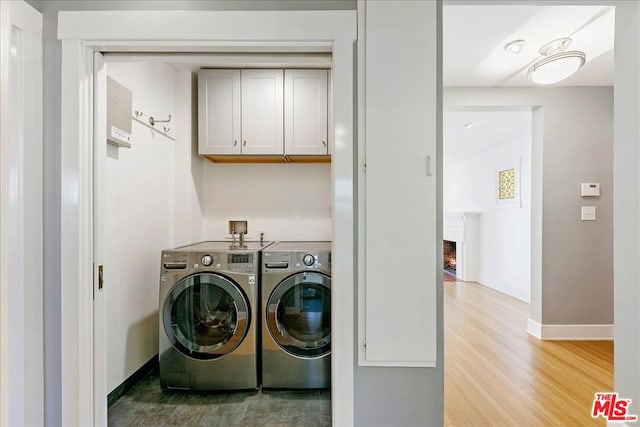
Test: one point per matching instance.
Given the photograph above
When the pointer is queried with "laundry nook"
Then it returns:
(222, 163)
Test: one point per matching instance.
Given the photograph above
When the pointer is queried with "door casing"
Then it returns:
(85, 33)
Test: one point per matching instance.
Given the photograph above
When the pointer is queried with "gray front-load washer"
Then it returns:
(208, 316)
(296, 321)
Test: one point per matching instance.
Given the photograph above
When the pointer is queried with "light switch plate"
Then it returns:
(588, 213)
(590, 189)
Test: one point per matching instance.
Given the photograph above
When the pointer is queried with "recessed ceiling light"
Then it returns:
(514, 46)
(471, 125)
(557, 64)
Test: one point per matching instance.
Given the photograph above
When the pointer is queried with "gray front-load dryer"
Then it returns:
(208, 316)
(296, 321)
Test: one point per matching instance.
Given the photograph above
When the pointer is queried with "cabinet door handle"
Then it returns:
(324, 142)
(244, 142)
(235, 142)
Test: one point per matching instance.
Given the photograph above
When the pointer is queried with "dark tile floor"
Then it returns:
(146, 404)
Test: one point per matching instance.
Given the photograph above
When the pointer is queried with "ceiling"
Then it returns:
(474, 37)
(491, 128)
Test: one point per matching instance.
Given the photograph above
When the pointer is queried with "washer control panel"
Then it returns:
(241, 262)
(238, 262)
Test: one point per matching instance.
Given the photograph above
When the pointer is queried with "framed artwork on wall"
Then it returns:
(507, 183)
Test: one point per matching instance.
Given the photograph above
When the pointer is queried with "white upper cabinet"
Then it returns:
(260, 115)
(262, 112)
(305, 112)
(219, 113)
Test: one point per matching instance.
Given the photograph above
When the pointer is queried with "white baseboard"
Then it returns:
(569, 332)
(617, 424)
(534, 328)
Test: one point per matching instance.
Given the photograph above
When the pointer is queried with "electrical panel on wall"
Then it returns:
(119, 104)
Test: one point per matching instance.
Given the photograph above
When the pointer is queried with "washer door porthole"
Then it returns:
(206, 316)
(299, 314)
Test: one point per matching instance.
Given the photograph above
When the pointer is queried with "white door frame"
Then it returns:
(21, 227)
(82, 34)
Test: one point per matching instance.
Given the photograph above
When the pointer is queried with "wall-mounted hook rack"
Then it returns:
(165, 128)
(153, 121)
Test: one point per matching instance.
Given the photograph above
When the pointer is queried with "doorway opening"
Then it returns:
(481, 76)
(190, 204)
(487, 176)
(83, 35)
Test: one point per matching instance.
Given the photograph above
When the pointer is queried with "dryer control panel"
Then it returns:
(296, 261)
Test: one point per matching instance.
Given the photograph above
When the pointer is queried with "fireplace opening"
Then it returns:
(449, 257)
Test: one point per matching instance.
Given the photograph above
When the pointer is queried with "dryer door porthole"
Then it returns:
(299, 315)
(206, 316)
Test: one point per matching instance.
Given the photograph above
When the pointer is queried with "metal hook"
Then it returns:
(166, 129)
(138, 113)
(153, 121)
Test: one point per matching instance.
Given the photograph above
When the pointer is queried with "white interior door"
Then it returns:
(21, 231)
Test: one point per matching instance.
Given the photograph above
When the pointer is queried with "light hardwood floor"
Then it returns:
(498, 375)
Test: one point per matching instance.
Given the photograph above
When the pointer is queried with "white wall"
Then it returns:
(188, 166)
(284, 201)
(504, 256)
(139, 221)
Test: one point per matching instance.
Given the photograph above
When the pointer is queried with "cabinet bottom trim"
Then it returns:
(269, 159)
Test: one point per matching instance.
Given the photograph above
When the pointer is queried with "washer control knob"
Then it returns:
(207, 260)
(309, 260)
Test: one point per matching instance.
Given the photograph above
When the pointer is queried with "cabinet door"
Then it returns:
(262, 112)
(219, 112)
(305, 111)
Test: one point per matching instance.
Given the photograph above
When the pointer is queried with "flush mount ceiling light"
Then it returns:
(556, 64)
(514, 46)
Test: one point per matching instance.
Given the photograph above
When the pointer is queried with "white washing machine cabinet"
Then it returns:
(296, 322)
(208, 316)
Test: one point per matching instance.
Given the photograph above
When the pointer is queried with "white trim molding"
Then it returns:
(617, 424)
(569, 332)
(82, 34)
(21, 216)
